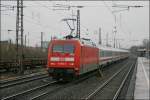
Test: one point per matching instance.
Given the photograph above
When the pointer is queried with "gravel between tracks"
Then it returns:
(74, 91)
(77, 91)
(11, 76)
(22, 87)
(110, 89)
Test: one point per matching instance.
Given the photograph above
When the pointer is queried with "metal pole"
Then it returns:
(28, 39)
(0, 34)
(107, 39)
(78, 24)
(19, 35)
(115, 31)
(119, 44)
(41, 40)
(116, 43)
(25, 40)
(115, 37)
(51, 38)
(8, 36)
(100, 40)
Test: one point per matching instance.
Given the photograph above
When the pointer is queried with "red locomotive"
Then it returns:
(73, 57)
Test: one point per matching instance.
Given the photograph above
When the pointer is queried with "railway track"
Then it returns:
(56, 94)
(39, 91)
(69, 92)
(111, 88)
(50, 89)
(16, 96)
(49, 93)
(21, 80)
(40, 96)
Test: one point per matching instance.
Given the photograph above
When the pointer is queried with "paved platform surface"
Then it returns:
(142, 79)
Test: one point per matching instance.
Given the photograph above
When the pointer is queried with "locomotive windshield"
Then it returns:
(66, 48)
(58, 48)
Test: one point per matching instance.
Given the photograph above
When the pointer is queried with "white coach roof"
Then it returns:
(112, 49)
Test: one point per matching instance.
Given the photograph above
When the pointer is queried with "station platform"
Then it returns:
(142, 79)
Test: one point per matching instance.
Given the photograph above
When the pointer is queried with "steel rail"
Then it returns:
(104, 84)
(123, 82)
(20, 77)
(52, 91)
(30, 90)
(23, 80)
(74, 82)
(69, 84)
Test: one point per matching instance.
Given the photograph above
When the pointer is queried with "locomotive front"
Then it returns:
(63, 59)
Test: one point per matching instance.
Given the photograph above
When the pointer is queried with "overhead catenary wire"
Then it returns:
(49, 8)
(34, 21)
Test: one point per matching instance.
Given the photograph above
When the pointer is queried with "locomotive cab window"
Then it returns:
(58, 48)
(66, 48)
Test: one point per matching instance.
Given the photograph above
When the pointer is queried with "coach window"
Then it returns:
(101, 53)
(108, 53)
(69, 48)
(58, 48)
(105, 53)
(113, 53)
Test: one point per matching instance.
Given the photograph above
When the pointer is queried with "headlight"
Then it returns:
(54, 59)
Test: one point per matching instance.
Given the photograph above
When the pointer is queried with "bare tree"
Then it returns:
(146, 44)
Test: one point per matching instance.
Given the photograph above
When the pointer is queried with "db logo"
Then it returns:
(61, 59)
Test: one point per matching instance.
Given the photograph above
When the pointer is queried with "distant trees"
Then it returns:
(142, 49)
(146, 44)
(134, 49)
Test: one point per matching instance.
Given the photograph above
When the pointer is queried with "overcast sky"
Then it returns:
(132, 24)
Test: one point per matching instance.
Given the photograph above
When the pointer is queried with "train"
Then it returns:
(69, 58)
